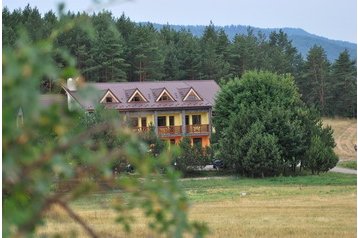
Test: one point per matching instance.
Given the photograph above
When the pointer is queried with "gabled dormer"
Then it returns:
(137, 96)
(192, 95)
(109, 97)
(165, 96)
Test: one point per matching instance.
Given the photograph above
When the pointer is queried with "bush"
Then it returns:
(191, 157)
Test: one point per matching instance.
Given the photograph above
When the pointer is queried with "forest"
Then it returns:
(119, 49)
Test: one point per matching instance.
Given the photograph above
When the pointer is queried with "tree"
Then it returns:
(191, 157)
(107, 51)
(39, 142)
(343, 98)
(315, 78)
(213, 64)
(146, 57)
(263, 126)
(320, 156)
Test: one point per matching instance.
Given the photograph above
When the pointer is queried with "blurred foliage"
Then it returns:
(46, 145)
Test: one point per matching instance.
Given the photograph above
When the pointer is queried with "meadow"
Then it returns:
(302, 206)
(345, 136)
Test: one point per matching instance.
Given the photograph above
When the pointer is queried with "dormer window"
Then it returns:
(137, 99)
(137, 96)
(192, 95)
(165, 96)
(109, 97)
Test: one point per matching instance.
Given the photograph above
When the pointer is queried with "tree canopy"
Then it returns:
(263, 126)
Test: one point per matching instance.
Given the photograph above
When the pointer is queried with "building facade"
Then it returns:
(174, 108)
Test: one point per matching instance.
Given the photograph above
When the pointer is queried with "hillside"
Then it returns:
(345, 136)
(301, 39)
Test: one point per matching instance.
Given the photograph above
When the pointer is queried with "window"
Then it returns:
(172, 141)
(186, 119)
(144, 121)
(171, 120)
(196, 119)
(162, 121)
(197, 141)
(137, 99)
(109, 99)
(164, 98)
(192, 96)
(134, 121)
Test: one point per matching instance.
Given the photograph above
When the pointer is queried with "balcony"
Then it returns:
(197, 129)
(141, 129)
(169, 130)
(176, 130)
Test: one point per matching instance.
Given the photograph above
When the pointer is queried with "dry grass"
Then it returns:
(265, 211)
(345, 135)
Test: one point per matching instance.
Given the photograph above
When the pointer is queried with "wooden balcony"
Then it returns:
(169, 130)
(197, 129)
(140, 129)
(176, 130)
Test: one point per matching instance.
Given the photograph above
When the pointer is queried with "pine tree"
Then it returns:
(343, 86)
(314, 81)
(146, 57)
(107, 52)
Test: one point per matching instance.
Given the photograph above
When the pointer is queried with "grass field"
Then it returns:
(306, 206)
(345, 135)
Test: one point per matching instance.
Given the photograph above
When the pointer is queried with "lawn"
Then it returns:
(303, 206)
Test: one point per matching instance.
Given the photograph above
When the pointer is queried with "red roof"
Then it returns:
(206, 89)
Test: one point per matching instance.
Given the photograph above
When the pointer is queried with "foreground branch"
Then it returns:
(78, 219)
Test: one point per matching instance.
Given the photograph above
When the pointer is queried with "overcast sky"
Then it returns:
(334, 19)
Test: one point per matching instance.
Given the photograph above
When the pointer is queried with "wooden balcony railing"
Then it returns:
(169, 130)
(140, 129)
(176, 130)
(197, 129)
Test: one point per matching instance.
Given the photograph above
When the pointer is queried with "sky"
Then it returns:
(334, 19)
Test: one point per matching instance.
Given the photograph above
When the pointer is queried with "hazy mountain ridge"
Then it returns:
(301, 39)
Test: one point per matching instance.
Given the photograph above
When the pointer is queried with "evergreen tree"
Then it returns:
(315, 78)
(146, 57)
(213, 64)
(343, 99)
(107, 52)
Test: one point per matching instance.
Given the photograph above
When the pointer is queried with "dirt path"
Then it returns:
(343, 170)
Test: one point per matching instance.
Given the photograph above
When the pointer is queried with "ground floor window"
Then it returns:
(172, 141)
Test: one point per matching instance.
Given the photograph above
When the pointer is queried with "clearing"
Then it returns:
(303, 206)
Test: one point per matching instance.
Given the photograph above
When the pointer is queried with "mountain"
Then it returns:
(301, 39)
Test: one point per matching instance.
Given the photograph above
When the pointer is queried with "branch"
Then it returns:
(78, 219)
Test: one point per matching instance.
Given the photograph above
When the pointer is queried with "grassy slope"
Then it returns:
(309, 206)
(345, 135)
